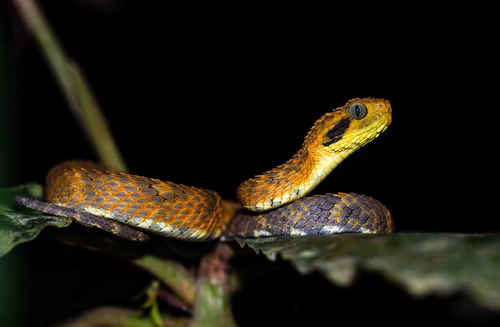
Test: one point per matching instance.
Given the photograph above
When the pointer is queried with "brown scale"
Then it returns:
(94, 196)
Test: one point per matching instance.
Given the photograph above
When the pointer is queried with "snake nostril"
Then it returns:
(388, 105)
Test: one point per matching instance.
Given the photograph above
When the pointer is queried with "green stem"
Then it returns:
(172, 274)
(74, 86)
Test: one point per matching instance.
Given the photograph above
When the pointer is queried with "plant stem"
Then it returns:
(172, 274)
(212, 306)
(74, 86)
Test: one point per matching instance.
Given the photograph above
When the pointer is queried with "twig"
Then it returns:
(173, 300)
(74, 86)
(172, 273)
(212, 306)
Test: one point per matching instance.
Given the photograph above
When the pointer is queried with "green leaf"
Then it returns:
(422, 263)
(19, 225)
(8, 195)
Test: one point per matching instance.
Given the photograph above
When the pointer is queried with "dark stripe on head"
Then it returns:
(335, 134)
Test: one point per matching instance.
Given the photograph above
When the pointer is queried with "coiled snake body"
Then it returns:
(274, 201)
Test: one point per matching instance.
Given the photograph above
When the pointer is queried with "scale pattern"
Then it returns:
(165, 208)
(315, 215)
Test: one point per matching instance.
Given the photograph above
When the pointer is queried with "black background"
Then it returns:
(210, 96)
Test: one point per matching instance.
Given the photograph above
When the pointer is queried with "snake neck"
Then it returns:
(223, 214)
(289, 181)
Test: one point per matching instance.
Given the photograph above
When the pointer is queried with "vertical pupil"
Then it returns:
(357, 111)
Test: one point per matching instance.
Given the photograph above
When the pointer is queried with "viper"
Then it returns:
(273, 203)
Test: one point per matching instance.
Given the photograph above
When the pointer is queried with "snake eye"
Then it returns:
(358, 110)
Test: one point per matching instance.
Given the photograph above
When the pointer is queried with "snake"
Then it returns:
(272, 204)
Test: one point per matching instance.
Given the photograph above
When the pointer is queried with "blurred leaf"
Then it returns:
(19, 225)
(8, 195)
(116, 316)
(422, 263)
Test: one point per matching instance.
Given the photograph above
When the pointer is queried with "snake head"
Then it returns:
(333, 138)
(351, 126)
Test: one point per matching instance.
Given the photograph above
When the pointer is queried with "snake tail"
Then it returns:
(85, 218)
